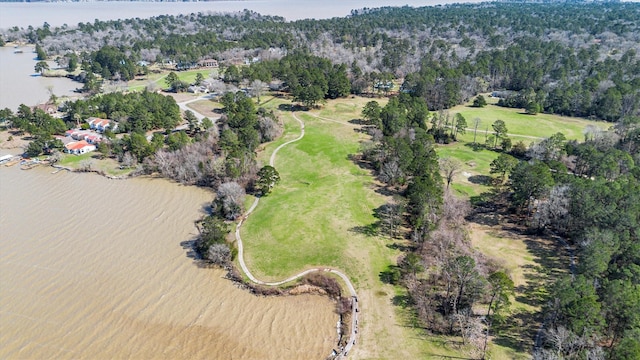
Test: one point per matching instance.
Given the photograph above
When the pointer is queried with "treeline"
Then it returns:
(40, 125)
(225, 162)
(573, 59)
(309, 79)
(584, 192)
(444, 277)
(587, 193)
(134, 112)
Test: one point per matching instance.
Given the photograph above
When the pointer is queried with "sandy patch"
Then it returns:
(11, 141)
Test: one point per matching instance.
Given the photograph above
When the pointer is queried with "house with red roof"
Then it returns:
(101, 125)
(79, 147)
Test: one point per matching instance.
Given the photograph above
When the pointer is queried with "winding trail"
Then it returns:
(354, 303)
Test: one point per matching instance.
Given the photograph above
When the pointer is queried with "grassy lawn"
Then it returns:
(316, 216)
(347, 109)
(106, 165)
(470, 181)
(532, 264)
(471, 178)
(188, 76)
(322, 196)
(140, 83)
(540, 125)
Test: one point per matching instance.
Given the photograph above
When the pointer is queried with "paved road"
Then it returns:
(354, 307)
(183, 106)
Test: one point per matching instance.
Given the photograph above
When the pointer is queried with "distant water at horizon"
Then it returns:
(18, 84)
(71, 13)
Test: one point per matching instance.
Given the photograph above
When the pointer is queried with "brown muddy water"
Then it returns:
(92, 268)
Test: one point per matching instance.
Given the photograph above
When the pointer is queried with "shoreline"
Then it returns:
(299, 284)
(345, 306)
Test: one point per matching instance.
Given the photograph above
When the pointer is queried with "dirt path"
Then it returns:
(335, 121)
(508, 134)
(354, 305)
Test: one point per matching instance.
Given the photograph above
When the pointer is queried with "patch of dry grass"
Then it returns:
(533, 263)
(207, 108)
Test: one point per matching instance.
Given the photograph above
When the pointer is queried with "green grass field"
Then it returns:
(528, 126)
(106, 165)
(308, 219)
(316, 216)
(188, 76)
(141, 83)
(470, 180)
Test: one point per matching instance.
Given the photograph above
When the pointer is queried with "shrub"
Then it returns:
(328, 284)
(219, 254)
(479, 101)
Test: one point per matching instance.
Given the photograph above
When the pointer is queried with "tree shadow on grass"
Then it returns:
(359, 122)
(488, 219)
(391, 275)
(517, 331)
(357, 159)
(292, 107)
(384, 190)
(400, 246)
(367, 230)
(403, 301)
(476, 146)
(481, 180)
(519, 328)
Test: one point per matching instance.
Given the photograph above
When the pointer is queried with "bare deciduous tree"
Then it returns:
(390, 172)
(86, 165)
(450, 167)
(476, 123)
(269, 128)
(257, 88)
(219, 254)
(390, 216)
(554, 209)
(229, 200)
(128, 160)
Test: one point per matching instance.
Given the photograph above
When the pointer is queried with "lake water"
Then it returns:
(19, 84)
(92, 268)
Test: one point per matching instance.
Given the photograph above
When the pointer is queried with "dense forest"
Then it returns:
(568, 58)
(563, 58)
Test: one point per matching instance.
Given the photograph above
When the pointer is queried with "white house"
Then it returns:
(79, 147)
(101, 125)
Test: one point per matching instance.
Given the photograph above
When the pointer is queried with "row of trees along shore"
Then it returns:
(573, 59)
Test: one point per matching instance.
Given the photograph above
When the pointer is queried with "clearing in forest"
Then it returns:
(532, 262)
(474, 177)
(523, 126)
(319, 214)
